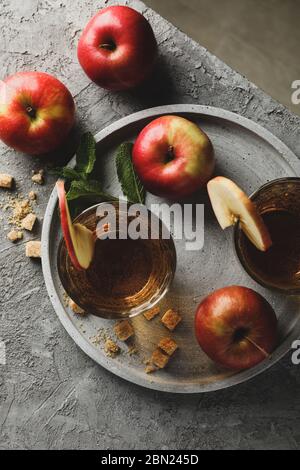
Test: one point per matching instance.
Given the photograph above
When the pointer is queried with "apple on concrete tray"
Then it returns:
(236, 327)
(173, 157)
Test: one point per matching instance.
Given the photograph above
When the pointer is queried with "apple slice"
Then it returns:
(231, 204)
(79, 240)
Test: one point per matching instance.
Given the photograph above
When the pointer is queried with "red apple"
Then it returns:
(80, 241)
(117, 48)
(173, 157)
(236, 327)
(36, 112)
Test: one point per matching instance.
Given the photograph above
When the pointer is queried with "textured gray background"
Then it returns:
(51, 394)
(259, 38)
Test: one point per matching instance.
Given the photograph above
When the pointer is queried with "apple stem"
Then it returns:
(31, 112)
(258, 347)
(110, 46)
(170, 154)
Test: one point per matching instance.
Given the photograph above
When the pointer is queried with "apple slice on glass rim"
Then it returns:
(231, 204)
(80, 241)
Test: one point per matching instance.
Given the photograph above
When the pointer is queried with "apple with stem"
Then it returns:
(80, 241)
(117, 49)
(236, 327)
(173, 157)
(231, 204)
(37, 112)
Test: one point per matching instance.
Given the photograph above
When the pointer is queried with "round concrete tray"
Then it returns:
(246, 153)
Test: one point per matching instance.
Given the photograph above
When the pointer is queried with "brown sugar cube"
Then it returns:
(6, 181)
(111, 348)
(171, 319)
(153, 312)
(123, 330)
(33, 249)
(38, 177)
(76, 309)
(32, 195)
(15, 235)
(159, 358)
(168, 345)
(28, 222)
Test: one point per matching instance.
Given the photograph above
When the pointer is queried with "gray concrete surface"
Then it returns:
(52, 395)
(258, 38)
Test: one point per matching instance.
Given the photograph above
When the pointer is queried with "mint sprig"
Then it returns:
(81, 179)
(130, 183)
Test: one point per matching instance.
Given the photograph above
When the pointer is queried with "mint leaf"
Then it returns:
(69, 174)
(88, 189)
(86, 154)
(85, 161)
(130, 183)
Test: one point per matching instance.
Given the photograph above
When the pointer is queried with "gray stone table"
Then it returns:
(51, 394)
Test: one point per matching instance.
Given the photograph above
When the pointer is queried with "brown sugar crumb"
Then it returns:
(6, 181)
(76, 309)
(33, 249)
(123, 330)
(102, 335)
(111, 348)
(20, 209)
(153, 312)
(38, 177)
(28, 222)
(132, 350)
(171, 319)
(150, 368)
(15, 235)
(66, 299)
(168, 345)
(32, 195)
(159, 359)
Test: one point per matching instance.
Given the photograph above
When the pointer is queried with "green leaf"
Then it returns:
(130, 183)
(86, 154)
(88, 189)
(69, 174)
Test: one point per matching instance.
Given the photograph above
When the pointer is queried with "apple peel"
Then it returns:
(80, 241)
(230, 204)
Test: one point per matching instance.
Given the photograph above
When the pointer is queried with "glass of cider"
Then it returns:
(278, 203)
(131, 269)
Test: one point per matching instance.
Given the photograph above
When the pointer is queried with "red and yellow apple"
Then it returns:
(117, 48)
(36, 112)
(80, 241)
(231, 204)
(173, 157)
(236, 327)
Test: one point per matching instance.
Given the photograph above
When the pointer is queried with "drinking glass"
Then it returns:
(156, 260)
(279, 267)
